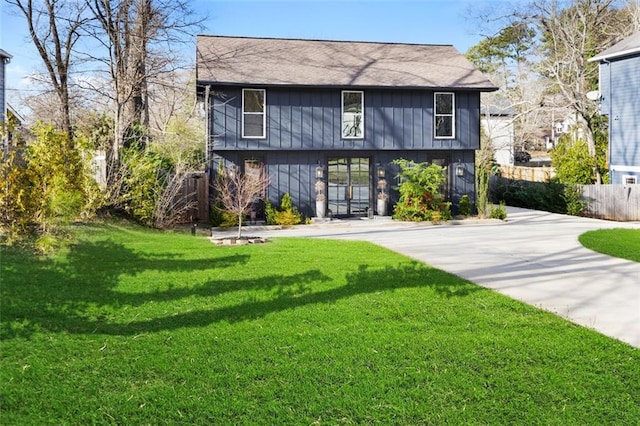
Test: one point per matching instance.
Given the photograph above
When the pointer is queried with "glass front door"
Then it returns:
(349, 186)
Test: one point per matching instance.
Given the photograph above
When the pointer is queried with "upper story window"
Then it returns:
(352, 114)
(254, 118)
(444, 115)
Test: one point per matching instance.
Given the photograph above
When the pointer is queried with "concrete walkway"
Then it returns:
(533, 256)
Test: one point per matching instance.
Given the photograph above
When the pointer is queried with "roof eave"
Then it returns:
(628, 52)
(6, 57)
(203, 83)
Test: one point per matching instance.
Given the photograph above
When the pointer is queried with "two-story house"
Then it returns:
(620, 100)
(332, 116)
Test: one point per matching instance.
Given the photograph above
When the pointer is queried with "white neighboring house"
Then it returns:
(497, 123)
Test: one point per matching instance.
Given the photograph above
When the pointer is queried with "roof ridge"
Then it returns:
(327, 40)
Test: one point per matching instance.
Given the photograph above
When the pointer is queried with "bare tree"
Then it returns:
(238, 192)
(633, 9)
(142, 38)
(568, 33)
(176, 121)
(54, 28)
(174, 205)
(571, 34)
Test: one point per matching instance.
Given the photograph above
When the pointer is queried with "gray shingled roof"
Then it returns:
(290, 62)
(628, 46)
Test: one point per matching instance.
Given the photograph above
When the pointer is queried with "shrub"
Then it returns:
(551, 196)
(464, 206)
(223, 218)
(151, 188)
(19, 197)
(499, 212)
(572, 195)
(547, 196)
(287, 215)
(142, 175)
(43, 185)
(270, 213)
(421, 198)
(572, 161)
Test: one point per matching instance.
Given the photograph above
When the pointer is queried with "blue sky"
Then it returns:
(407, 21)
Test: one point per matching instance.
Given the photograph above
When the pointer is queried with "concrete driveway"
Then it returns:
(533, 256)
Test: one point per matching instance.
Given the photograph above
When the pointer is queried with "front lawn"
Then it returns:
(618, 242)
(131, 326)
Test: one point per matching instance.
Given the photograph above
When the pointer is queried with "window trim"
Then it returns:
(452, 115)
(342, 121)
(263, 113)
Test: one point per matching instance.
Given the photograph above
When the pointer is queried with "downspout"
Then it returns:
(610, 117)
(207, 127)
(207, 170)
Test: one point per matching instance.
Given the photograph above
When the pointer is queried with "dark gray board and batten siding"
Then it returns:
(304, 130)
(310, 119)
(293, 172)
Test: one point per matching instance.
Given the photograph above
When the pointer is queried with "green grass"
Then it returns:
(129, 326)
(618, 242)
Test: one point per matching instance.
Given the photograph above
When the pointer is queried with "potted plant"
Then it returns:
(320, 199)
(381, 206)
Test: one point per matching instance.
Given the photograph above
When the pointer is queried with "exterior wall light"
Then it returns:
(459, 169)
(320, 192)
(380, 170)
(232, 170)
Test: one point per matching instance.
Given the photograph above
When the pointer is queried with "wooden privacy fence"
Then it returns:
(612, 202)
(529, 174)
(195, 195)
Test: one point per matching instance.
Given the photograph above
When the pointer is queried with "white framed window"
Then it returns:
(444, 117)
(629, 180)
(352, 114)
(254, 117)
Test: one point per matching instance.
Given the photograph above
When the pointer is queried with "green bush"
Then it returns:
(498, 212)
(572, 195)
(421, 198)
(270, 213)
(464, 206)
(145, 176)
(44, 185)
(223, 218)
(20, 198)
(547, 196)
(572, 161)
(551, 196)
(287, 215)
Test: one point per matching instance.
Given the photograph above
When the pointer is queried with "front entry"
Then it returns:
(349, 186)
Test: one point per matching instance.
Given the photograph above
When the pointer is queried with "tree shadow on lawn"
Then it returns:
(60, 294)
(364, 281)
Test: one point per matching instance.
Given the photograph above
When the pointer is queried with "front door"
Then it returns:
(349, 186)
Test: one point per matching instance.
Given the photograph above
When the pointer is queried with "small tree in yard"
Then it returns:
(484, 163)
(237, 192)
